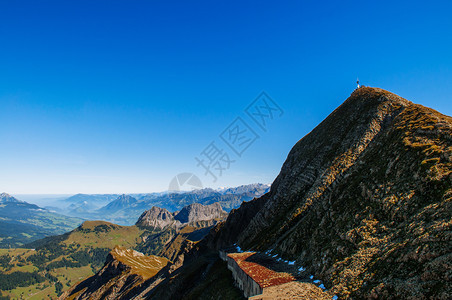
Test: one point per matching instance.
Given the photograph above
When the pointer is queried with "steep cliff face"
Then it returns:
(363, 201)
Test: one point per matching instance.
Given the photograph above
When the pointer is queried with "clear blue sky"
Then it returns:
(121, 96)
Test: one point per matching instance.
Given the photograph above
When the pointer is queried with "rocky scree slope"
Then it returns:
(362, 201)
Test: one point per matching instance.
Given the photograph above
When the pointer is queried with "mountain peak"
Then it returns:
(366, 93)
(376, 165)
(156, 217)
(97, 224)
(199, 212)
(4, 197)
(123, 201)
(160, 217)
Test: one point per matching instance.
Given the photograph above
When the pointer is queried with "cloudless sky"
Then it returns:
(121, 96)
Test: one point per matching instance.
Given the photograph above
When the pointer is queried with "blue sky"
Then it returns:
(121, 96)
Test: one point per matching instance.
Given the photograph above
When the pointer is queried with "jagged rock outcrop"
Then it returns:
(363, 201)
(194, 214)
(157, 218)
(197, 212)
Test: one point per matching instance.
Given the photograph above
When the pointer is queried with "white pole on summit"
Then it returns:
(357, 82)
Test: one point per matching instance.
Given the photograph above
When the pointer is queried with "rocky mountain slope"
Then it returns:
(169, 232)
(362, 203)
(6, 198)
(170, 236)
(197, 277)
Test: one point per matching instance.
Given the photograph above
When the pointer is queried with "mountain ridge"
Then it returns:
(121, 211)
(5, 197)
(380, 148)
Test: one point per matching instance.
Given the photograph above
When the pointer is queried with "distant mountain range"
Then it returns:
(98, 199)
(22, 222)
(125, 209)
(122, 202)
